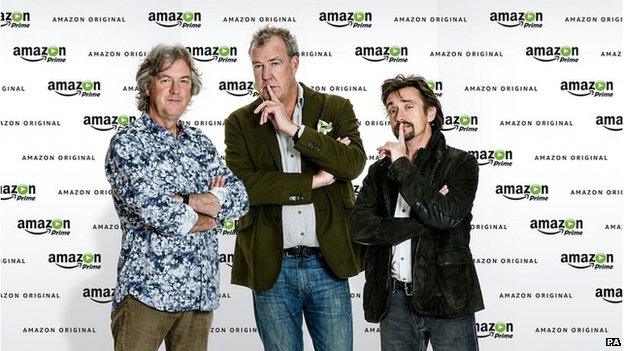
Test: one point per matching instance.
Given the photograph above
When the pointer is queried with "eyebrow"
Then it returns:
(402, 100)
(161, 75)
(276, 58)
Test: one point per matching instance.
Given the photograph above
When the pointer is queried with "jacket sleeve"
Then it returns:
(431, 207)
(263, 187)
(344, 162)
(233, 197)
(366, 224)
(140, 194)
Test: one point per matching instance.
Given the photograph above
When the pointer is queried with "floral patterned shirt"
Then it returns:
(161, 263)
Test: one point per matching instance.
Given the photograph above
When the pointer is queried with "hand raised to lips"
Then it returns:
(273, 110)
(395, 149)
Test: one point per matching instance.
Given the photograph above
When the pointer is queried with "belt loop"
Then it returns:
(407, 290)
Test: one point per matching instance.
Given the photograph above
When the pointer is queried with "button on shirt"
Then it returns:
(402, 253)
(298, 221)
(161, 264)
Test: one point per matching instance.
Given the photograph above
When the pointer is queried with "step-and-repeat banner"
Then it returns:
(533, 89)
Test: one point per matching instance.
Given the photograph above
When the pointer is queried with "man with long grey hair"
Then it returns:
(170, 190)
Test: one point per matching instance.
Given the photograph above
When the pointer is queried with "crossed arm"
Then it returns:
(342, 158)
(438, 208)
(142, 196)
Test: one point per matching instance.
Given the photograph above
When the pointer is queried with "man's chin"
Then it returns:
(406, 137)
(174, 114)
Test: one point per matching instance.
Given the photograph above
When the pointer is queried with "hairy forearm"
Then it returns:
(203, 223)
(206, 204)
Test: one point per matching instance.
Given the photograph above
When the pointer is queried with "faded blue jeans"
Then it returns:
(305, 287)
(403, 329)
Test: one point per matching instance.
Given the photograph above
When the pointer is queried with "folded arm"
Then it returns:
(140, 194)
(432, 207)
(369, 227)
(342, 161)
(263, 187)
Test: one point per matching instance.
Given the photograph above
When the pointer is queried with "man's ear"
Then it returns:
(294, 63)
(431, 113)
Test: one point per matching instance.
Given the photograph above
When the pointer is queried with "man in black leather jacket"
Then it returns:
(413, 212)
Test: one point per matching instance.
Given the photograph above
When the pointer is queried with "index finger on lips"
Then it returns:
(271, 94)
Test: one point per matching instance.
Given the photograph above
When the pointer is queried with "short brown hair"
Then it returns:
(419, 83)
(265, 34)
(157, 60)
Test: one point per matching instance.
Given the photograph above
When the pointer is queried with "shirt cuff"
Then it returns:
(300, 131)
(219, 192)
(188, 220)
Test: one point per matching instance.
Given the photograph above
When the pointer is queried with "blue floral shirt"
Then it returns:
(161, 263)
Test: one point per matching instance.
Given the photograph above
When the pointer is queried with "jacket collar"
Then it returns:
(434, 150)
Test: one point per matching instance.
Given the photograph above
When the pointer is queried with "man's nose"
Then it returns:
(174, 88)
(400, 118)
(400, 115)
(266, 72)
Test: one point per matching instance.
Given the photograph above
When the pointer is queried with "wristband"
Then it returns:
(295, 136)
(185, 199)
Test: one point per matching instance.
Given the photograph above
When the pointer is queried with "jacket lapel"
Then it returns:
(268, 136)
(270, 139)
(312, 107)
(389, 190)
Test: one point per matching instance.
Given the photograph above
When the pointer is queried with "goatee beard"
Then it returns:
(407, 136)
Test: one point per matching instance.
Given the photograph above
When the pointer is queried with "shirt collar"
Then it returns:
(300, 96)
(156, 128)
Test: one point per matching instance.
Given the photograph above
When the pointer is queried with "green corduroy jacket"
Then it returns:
(252, 153)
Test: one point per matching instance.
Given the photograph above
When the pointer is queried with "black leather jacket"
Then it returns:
(445, 282)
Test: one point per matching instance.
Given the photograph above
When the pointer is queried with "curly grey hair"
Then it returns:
(157, 60)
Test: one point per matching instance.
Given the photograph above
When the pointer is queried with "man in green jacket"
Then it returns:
(296, 151)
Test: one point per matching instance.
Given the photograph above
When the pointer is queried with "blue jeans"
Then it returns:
(403, 329)
(305, 287)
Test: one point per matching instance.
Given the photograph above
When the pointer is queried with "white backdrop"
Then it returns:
(517, 104)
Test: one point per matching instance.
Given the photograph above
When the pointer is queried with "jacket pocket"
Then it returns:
(454, 278)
